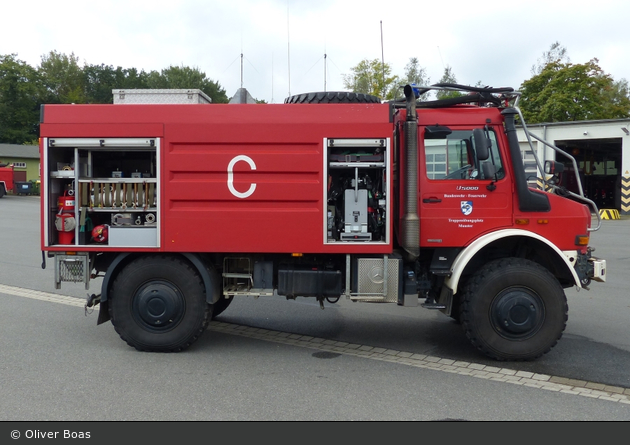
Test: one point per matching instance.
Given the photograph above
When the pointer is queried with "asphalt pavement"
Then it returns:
(268, 359)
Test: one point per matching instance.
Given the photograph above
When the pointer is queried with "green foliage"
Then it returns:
(61, 79)
(187, 78)
(372, 77)
(573, 92)
(100, 80)
(21, 93)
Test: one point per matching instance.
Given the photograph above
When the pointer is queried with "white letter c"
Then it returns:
(230, 181)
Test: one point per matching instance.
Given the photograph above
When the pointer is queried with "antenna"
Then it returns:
(288, 49)
(324, 72)
(241, 68)
(382, 56)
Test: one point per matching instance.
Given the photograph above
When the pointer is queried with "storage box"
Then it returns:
(309, 283)
(161, 96)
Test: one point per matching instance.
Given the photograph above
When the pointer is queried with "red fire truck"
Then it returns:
(183, 208)
(6, 179)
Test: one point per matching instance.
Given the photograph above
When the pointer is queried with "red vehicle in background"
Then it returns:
(183, 208)
(6, 179)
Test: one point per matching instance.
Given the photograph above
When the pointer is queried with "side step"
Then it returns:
(430, 303)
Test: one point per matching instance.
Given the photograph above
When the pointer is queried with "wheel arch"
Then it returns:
(516, 243)
(208, 274)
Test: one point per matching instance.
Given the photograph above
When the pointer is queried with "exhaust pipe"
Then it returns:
(410, 226)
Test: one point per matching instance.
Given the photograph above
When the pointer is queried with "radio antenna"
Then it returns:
(288, 49)
(382, 56)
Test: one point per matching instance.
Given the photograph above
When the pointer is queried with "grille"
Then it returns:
(71, 271)
(71, 268)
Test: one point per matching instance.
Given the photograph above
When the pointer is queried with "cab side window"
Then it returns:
(455, 156)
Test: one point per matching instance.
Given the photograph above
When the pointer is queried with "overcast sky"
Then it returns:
(284, 42)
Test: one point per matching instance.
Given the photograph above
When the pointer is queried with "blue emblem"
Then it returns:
(467, 207)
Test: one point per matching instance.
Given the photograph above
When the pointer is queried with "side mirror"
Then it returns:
(553, 167)
(482, 144)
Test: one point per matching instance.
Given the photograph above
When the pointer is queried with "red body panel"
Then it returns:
(199, 211)
(276, 152)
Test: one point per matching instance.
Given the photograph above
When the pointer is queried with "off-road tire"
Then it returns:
(513, 309)
(332, 97)
(158, 304)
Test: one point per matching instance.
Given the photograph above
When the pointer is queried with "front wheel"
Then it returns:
(513, 309)
(158, 304)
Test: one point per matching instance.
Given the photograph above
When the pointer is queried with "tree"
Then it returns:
(415, 74)
(556, 53)
(20, 97)
(100, 80)
(572, 92)
(186, 77)
(63, 78)
(448, 77)
(372, 77)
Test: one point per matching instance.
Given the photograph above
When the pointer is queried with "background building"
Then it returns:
(602, 153)
(25, 160)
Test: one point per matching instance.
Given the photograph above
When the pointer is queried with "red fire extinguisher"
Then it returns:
(65, 221)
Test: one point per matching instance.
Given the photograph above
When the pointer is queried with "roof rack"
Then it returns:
(483, 96)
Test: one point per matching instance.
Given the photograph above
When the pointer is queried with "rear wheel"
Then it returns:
(513, 309)
(158, 304)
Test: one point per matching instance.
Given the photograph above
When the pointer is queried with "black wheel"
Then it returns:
(221, 305)
(513, 309)
(158, 304)
(2, 190)
(332, 97)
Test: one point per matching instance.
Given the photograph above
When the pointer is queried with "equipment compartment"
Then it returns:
(357, 191)
(102, 192)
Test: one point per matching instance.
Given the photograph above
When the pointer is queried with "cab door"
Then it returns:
(460, 197)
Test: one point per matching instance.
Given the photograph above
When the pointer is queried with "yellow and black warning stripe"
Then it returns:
(609, 214)
(625, 195)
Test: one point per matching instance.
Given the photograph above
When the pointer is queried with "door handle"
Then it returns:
(431, 200)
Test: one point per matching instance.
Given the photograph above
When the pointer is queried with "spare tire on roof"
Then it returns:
(332, 97)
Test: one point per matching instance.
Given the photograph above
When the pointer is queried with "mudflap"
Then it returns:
(103, 313)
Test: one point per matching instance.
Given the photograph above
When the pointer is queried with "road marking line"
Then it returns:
(43, 296)
(505, 375)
